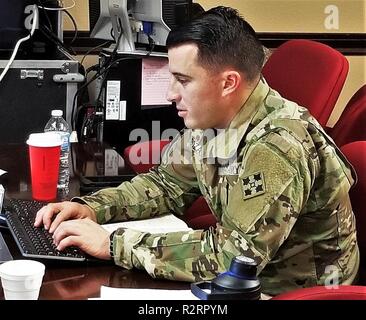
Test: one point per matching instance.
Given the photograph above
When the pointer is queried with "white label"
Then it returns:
(65, 140)
(122, 110)
(110, 162)
(113, 100)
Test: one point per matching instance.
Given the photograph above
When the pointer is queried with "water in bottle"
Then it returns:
(58, 124)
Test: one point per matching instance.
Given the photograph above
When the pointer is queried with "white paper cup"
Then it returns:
(21, 279)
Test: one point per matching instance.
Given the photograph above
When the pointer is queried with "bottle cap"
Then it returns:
(56, 113)
(240, 282)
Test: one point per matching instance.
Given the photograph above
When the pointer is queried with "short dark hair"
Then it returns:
(223, 39)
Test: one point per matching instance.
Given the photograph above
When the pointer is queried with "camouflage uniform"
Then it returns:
(277, 185)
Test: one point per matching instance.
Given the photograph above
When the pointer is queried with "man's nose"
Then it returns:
(172, 94)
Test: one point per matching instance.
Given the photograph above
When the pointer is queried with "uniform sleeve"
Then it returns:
(262, 206)
(170, 187)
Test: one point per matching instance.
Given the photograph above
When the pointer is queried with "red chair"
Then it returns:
(144, 155)
(351, 126)
(324, 293)
(308, 72)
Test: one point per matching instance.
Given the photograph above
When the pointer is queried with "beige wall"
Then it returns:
(80, 13)
(275, 15)
(299, 15)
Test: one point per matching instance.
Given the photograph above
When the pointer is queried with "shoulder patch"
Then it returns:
(253, 185)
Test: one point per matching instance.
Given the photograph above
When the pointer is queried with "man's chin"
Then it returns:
(193, 126)
(190, 124)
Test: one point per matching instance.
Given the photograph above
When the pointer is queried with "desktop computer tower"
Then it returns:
(134, 97)
(30, 90)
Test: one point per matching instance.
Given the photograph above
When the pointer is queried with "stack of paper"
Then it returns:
(108, 293)
(160, 224)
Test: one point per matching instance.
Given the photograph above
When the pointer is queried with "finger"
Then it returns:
(39, 216)
(68, 241)
(61, 217)
(65, 229)
(44, 216)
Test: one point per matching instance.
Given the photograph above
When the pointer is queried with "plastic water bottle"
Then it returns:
(58, 124)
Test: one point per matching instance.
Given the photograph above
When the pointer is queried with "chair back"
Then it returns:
(308, 72)
(351, 125)
(324, 293)
(144, 155)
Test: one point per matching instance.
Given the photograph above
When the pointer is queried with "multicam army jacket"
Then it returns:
(277, 185)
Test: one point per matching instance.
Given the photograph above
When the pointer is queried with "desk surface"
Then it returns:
(67, 281)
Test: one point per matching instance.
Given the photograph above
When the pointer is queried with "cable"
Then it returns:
(92, 49)
(75, 26)
(20, 41)
(59, 9)
(40, 3)
(151, 45)
(73, 117)
(48, 31)
(103, 70)
(98, 74)
(53, 38)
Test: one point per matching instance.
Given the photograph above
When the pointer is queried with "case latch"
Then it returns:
(26, 74)
(70, 74)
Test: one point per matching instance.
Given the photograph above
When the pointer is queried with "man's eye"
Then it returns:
(182, 81)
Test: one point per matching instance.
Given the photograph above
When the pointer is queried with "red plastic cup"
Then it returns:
(44, 157)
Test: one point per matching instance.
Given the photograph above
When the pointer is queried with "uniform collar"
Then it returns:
(225, 144)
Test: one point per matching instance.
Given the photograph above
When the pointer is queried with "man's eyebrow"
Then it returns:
(178, 74)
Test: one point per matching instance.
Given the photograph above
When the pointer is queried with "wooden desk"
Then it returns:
(67, 281)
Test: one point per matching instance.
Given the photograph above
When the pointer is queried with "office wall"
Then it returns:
(338, 16)
(80, 13)
(302, 16)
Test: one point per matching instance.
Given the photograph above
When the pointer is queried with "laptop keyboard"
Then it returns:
(35, 242)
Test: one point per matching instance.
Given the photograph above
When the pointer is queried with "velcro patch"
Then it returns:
(253, 185)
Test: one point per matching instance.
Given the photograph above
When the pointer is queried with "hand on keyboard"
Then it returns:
(53, 214)
(85, 234)
(35, 242)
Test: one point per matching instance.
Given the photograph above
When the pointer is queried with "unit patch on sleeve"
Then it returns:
(253, 185)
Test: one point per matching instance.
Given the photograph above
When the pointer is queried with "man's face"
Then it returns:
(196, 91)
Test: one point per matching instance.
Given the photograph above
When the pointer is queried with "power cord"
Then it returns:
(20, 41)
(61, 8)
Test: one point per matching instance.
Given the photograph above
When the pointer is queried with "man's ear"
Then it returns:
(231, 81)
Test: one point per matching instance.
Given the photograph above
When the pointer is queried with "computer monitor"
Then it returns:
(15, 22)
(140, 23)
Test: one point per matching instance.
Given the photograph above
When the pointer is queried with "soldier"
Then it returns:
(275, 181)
